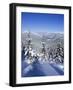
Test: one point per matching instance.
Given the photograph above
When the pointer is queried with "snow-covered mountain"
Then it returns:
(50, 39)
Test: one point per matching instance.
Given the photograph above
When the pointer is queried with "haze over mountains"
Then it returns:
(51, 39)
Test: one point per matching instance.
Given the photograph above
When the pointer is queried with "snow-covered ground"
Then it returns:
(40, 68)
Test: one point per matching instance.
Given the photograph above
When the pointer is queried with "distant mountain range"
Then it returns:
(50, 39)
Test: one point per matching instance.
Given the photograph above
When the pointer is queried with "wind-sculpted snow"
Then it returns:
(27, 69)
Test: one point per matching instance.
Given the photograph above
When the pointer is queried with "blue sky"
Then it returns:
(41, 22)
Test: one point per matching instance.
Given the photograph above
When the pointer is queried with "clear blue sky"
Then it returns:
(41, 22)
